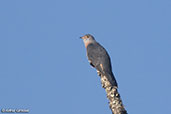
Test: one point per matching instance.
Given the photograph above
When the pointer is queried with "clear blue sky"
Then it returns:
(43, 63)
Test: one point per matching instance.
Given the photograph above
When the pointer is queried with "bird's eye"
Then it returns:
(87, 36)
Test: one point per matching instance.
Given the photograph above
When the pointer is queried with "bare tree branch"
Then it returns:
(115, 102)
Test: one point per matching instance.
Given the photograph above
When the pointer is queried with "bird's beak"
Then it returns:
(81, 37)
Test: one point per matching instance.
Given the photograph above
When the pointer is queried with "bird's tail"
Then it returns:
(112, 79)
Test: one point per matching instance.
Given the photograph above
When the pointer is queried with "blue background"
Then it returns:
(43, 63)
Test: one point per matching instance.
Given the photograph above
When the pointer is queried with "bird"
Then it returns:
(99, 58)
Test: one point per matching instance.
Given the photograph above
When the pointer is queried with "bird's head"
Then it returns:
(87, 39)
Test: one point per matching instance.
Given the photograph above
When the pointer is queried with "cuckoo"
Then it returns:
(99, 58)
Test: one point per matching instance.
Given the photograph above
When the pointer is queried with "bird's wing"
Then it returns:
(98, 55)
(93, 54)
(99, 58)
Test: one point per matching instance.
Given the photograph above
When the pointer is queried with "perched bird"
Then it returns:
(99, 58)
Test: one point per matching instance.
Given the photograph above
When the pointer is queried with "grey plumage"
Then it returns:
(99, 58)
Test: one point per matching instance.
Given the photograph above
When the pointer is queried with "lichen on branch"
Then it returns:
(115, 102)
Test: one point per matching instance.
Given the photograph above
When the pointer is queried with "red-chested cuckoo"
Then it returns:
(99, 58)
